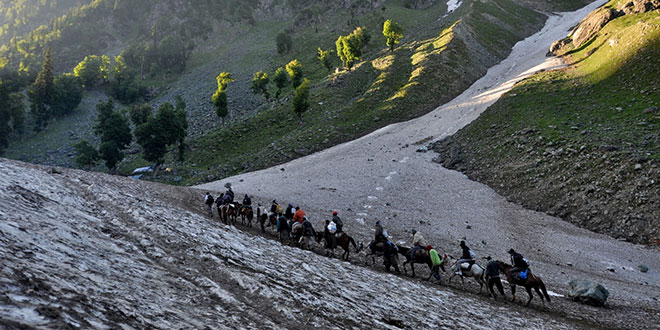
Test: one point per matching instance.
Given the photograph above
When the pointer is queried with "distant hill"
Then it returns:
(581, 143)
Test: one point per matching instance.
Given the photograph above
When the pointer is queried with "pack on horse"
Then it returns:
(467, 270)
(247, 213)
(532, 282)
(263, 217)
(376, 249)
(420, 257)
(343, 240)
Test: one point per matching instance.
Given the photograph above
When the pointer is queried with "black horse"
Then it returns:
(421, 257)
(343, 240)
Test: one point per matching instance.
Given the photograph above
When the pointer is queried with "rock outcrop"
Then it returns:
(589, 293)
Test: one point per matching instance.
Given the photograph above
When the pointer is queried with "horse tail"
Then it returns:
(542, 285)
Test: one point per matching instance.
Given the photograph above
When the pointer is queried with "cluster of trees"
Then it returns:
(12, 113)
(123, 81)
(51, 96)
(155, 133)
(349, 48)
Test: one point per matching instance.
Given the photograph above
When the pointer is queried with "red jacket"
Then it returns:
(298, 216)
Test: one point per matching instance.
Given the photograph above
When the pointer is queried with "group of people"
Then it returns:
(292, 223)
(519, 271)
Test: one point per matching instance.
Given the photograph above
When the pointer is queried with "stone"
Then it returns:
(422, 149)
(611, 269)
(643, 268)
(587, 292)
(651, 109)
(638, 167)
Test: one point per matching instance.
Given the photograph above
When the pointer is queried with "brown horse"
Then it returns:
(343, 240)
(247, 214)
(419, 258)
(532, 282)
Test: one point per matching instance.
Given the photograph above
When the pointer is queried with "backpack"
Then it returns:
(278, 209)
(332, 227)
(472, 254)
(209, 200)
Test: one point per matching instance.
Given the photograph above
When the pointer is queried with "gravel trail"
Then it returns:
(381, 177)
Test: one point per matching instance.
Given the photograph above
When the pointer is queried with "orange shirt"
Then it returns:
(298, 216)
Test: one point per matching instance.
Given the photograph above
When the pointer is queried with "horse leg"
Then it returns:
(531, 295)
(412, 266)
(513, 292)
(463, 281)
(405, 270)
(538, 291)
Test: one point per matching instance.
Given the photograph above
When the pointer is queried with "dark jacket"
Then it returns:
(518, 261)
(247, 201)
(282, 225)
(389, 249)
(273, 208)
(379, 237)
(338, 222)
(209, 200)
(308, 230)
(289, 212)
(229, 195)
(492, 269)
(466, 252)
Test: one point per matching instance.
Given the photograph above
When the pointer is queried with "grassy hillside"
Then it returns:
(438, 58)
(581, 143)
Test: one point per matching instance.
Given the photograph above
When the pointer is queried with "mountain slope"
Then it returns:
(580, 143)
(96, 251)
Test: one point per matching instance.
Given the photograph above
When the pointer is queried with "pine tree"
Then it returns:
(281, 80)
(41, 93)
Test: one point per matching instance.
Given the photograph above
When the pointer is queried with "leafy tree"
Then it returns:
(260, 84)
(281, 80)
(115, 133)
(120, 70)
(220, 96)
(90, 70)
(284, 42)
(87, 155)
(324, 57)
(294, 68)
(393, 33)
(41, 93)
(104, 68)
(301, 99)
(167, 127)
(349, 48)
(140, 114)
(67, 94)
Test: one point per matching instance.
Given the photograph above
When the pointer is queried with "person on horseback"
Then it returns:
(229, 194)
(437, 262)
(379, 235)
(519, 263)
(247, 201)
(299, 216)
(466, 256)
(390, 251)
(493, 276)
(208, 200)
(419, 243)
(218, 204)
(338, 222)
(288, 214)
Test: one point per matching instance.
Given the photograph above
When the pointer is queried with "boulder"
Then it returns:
(643, 268)
(587, 292)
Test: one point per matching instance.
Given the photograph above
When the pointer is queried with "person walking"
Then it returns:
(493, 276)
(437, 262)
(208, 200)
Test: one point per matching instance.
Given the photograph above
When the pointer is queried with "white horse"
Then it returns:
(476, 271)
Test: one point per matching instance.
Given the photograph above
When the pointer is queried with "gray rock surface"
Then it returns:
(589, 293)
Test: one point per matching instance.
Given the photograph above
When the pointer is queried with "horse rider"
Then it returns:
(419, 243)
(340, 224)
(493, 276)
(229, 195)
(208, 200)
(329, 234)
(273, 206)
(289, 212)
(466, 256)
(247, 201)
(379, 235)
(389, 256)
(436, 260)
(518, 262)
(308, 232)
(299, 216)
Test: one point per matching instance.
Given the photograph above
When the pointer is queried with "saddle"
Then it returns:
(469, 267)
(421, 253)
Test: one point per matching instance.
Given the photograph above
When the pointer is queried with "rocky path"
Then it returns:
(382, 177)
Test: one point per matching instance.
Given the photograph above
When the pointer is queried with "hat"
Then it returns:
(428, 247)
(334, 213)
(378, 222)
(488, 258)
(511, 251)
(274, 201)
(462, 243)
(414, 231)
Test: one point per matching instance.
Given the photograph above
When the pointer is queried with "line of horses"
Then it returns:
(230, 212)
